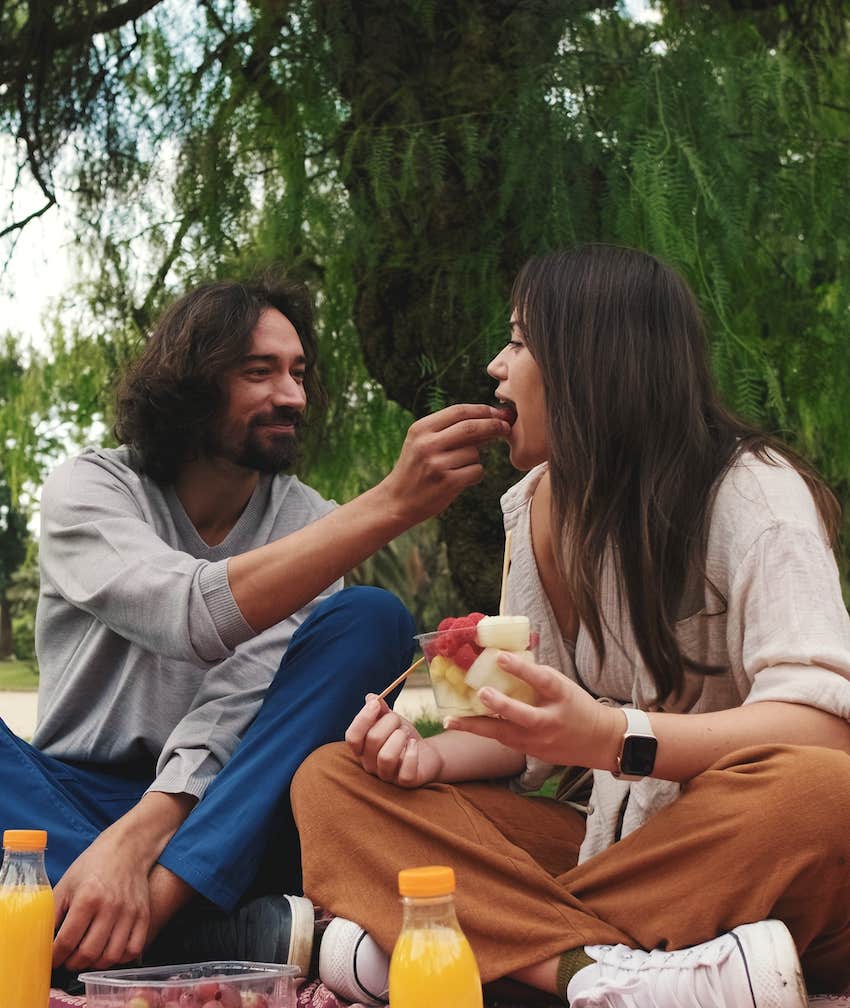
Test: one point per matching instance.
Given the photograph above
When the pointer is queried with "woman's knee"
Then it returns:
(322, 774)
(800, 790)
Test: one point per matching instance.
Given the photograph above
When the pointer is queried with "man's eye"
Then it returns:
(258, 372)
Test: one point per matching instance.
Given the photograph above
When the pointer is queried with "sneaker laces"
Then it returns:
(600, 994)
(661, 979)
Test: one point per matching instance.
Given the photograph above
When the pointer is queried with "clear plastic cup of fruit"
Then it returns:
(462, 658)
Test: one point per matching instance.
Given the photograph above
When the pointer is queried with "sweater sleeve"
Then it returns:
(787, 625)
(101, 553)
(226, 704)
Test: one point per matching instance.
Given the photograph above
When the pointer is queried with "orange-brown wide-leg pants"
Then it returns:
(763, 833)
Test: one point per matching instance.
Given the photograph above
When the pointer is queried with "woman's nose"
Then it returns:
(496, 368)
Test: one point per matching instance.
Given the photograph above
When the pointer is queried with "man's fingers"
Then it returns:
(451, 416)
(461, 458)
(137, 940)
(68, 937)
(467, 433)
(116, 948)
(83, 935)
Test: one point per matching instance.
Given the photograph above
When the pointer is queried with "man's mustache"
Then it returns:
(282, 415)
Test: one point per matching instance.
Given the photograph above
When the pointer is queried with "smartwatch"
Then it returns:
(637, 751)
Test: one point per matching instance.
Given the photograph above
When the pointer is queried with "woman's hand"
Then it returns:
(389, 746)
(567, 727)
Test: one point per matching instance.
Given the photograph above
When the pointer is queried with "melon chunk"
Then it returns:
(484, 671)
(510, 633)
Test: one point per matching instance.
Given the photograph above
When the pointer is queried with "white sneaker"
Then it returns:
(753, 966)
(352, 965)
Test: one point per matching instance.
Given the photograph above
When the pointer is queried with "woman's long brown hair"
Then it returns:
(638, 439)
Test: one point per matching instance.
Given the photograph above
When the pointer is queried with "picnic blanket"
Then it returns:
(316, 995)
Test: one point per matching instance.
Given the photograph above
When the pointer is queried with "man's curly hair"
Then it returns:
(176, 392)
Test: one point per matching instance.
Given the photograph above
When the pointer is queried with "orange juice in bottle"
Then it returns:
(26, 921)
(432, 965)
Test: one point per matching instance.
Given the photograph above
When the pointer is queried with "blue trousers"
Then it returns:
(240, 838)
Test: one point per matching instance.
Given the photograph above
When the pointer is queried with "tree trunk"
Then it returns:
(436, 260)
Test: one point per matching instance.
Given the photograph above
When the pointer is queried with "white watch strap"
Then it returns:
(637, 722)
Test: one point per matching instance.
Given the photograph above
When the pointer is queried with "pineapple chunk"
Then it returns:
(454, 675)
(438, 666)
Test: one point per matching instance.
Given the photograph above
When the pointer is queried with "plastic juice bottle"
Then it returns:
(26, 921)
(432, 965)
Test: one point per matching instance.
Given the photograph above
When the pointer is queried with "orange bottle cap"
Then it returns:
(25, 839)
(435, 880)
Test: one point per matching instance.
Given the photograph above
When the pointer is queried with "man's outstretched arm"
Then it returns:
(438, 460)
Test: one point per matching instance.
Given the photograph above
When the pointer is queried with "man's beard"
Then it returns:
(259, 450)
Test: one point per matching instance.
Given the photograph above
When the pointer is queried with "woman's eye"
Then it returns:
(299, 376)
(515, 344)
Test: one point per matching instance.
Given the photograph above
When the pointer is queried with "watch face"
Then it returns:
(638, 757)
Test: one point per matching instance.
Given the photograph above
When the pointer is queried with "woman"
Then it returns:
(678, 565)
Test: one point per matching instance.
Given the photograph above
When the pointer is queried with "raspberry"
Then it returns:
(445, 644)
(466, 655)
(446, 624)
(476, 617)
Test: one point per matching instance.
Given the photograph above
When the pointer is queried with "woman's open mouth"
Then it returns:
(509, 410)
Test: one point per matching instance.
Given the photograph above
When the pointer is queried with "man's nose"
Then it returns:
(288, 391)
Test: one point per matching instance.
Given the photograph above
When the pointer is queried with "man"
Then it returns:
(193, 640)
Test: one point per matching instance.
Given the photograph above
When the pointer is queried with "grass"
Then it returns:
(18, 675)
(427, 726)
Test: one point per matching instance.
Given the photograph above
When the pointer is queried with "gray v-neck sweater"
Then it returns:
(144, 656)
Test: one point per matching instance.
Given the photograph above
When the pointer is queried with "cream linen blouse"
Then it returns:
(783, 632)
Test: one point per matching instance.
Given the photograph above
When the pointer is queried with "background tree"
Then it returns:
(406, 156)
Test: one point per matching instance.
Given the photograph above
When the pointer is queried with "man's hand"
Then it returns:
(102, 900)
(439, 458)
(389, 746)
(102, 904)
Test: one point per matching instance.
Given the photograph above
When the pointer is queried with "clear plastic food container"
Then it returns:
(194, 985)
(461, 659)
